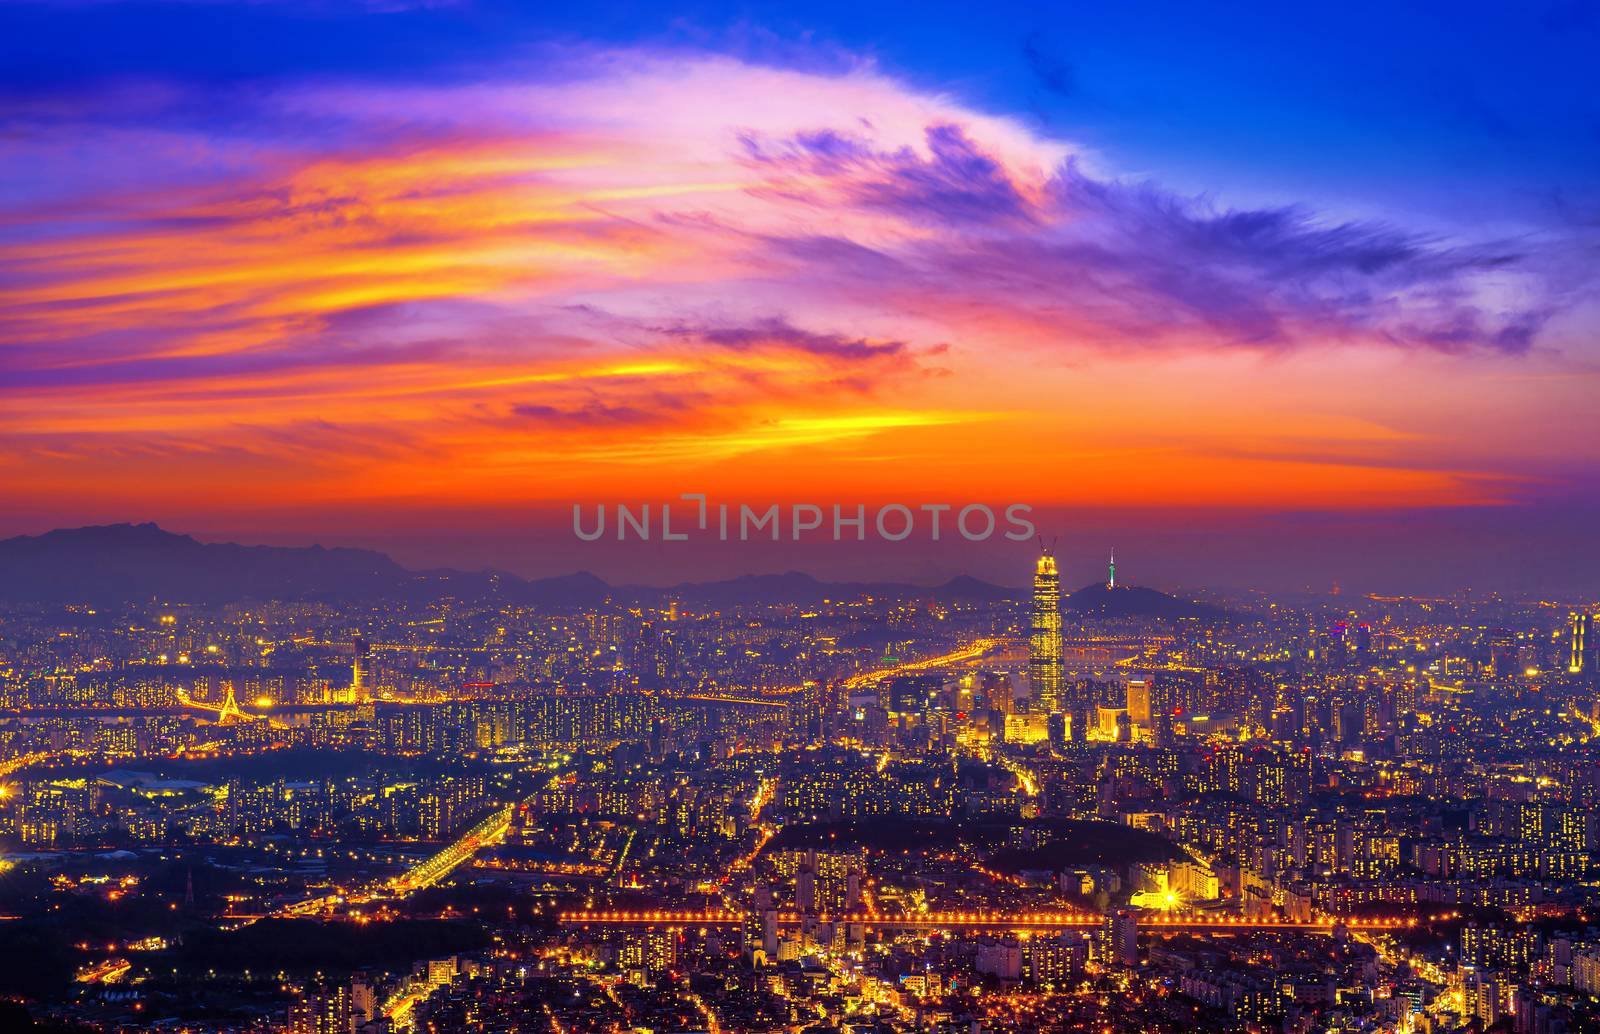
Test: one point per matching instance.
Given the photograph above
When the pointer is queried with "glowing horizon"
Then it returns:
(668, 268)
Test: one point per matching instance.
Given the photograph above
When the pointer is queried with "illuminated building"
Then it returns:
(1497, 946)
(652, 951)
(1057, 728)
(1582, 638)
(914, 694)
(321, 1011)
(1194, 880)
(835, 880)
(1051, 961)
(998, 958)
(1504, 658)
(1139, 702)
(825, 708)
(1026, 728)
(1120, 946)
(358, 669)
(1080, 722)
(54, 814)
(1113, 724)
(1044, 641)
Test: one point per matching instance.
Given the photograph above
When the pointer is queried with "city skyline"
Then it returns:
(811, 518)
(426, 291)
(421, 802)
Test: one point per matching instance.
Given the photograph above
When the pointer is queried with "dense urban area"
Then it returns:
(965, 809)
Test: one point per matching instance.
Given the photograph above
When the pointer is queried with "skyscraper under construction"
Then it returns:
(1044, 642)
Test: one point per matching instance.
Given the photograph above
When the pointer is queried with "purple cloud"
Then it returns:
(956, 183)
(775, 332)
(595, 414)
(1099, 261)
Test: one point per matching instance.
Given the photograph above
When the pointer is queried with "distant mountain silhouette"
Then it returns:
(130, 562)
(791, 586)
(966, 587)
(121, 562)
(1100, 600)
(140, 561)
(798, 587)
(577, 589)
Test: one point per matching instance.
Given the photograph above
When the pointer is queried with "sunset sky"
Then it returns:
(1272, 298)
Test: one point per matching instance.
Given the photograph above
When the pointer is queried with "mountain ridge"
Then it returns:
(127, 562)
(1099, 599)
(131, 562)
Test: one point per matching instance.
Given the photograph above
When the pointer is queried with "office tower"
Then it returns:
(1057, 729)
(1162, 729)
(1582, 638)
(997, 685)
(1044, 642)
(1503, 653)
(1139, 708)
(358, 668)
(1081, 722)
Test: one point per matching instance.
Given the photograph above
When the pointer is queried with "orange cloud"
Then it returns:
(764, 281)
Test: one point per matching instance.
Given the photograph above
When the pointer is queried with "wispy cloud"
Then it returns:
(1102, 262)
(665, 250)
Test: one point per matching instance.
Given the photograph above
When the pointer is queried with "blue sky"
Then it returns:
(1476, 110)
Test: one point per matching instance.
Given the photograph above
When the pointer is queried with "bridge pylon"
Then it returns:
(230, 712)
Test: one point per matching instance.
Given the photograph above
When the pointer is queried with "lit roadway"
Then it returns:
(21, 761)
(983, 920)
(972, 651)
(108, 972)
(430, 871)
(424, 874)
(762, 798)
